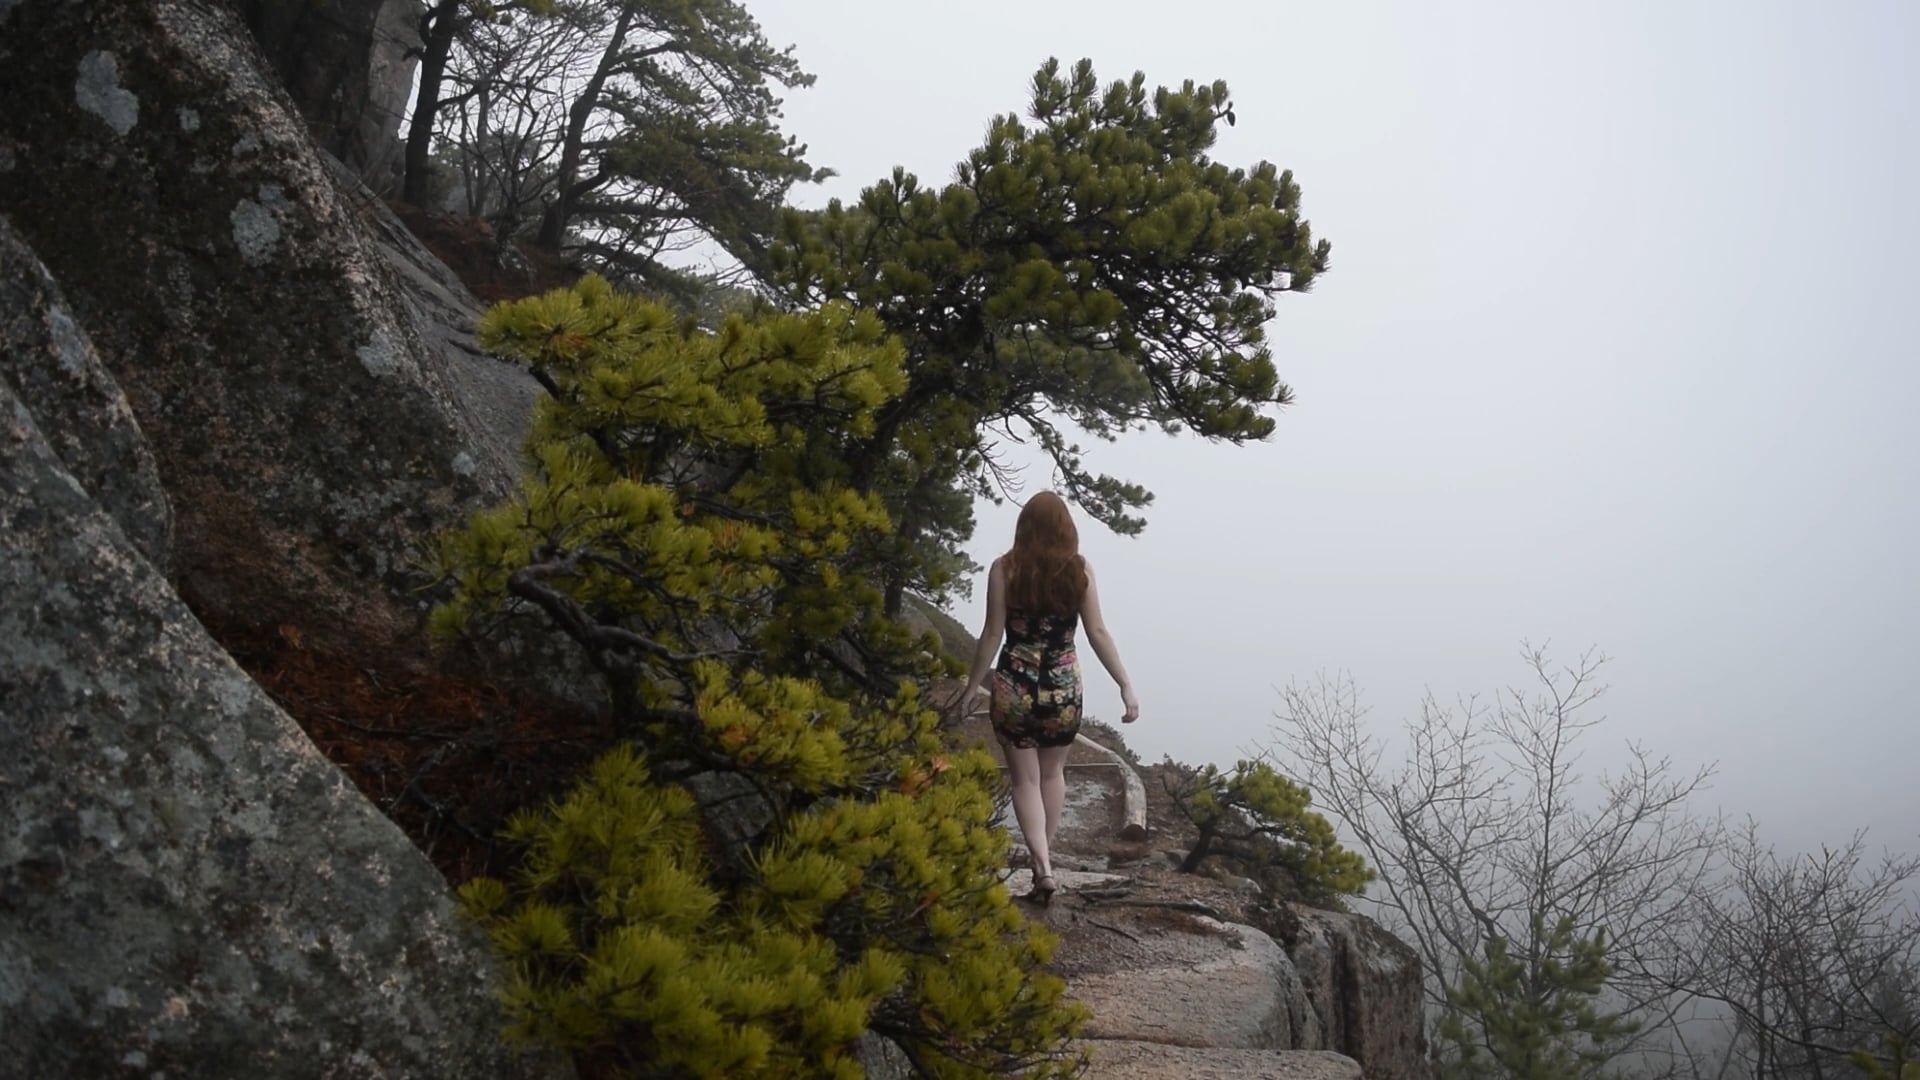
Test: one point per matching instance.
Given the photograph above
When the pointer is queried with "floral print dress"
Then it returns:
(1036, 684)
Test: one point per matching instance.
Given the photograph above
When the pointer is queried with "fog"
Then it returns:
(1618, 349)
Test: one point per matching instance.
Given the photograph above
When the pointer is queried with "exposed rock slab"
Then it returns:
(1020, 881)
(309, 432)
(1204, 983)
(1160, 957)
(186, 886)
(494, 400)
(49, 361)
(1121, 1060)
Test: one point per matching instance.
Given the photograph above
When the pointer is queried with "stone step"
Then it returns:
(1118, 1059)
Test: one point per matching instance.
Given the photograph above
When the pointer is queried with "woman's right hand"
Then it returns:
(971, 699)
(1130, 704)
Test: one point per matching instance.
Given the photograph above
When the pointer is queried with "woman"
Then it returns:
(1036, 594)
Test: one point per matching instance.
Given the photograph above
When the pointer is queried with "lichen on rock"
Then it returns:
(48, 360)
(304, 411)
(256, 227)
(99, 92)
(186, 885)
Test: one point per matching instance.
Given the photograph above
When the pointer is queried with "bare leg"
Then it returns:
(1023, 769)
(1053, 788)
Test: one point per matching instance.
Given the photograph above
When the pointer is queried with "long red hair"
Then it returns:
(1044, 573)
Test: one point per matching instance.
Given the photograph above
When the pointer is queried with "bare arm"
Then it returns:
(990, 633)
(1102, 641)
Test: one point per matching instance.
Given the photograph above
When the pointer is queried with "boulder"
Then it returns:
(310, 426)
(48, 360)
(186, 886)
(1364, 987)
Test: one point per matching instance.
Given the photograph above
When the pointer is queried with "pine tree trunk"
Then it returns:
(437, 31)
(895, 595)
(1202, 847)
(567, 185)
(473, 170)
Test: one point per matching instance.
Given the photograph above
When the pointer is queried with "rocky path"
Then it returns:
(1178, 985)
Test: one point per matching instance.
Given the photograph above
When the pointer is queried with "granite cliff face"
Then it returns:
(305, 417)
(48, 360)
(212, 385)
(186, 884)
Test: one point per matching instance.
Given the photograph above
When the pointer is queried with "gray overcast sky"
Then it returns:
(1619, 348)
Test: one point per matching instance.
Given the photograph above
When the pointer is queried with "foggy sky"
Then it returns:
(1618, 348)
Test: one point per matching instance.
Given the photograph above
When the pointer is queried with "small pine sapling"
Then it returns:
(1258, 817)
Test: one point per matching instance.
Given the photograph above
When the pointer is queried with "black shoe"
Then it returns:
(1042, 892)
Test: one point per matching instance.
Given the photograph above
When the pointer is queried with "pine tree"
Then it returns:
(1094, 267)
(676, 123)
(1256, 816)
(1534, 1016)
(691, 526)
(441, 25)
